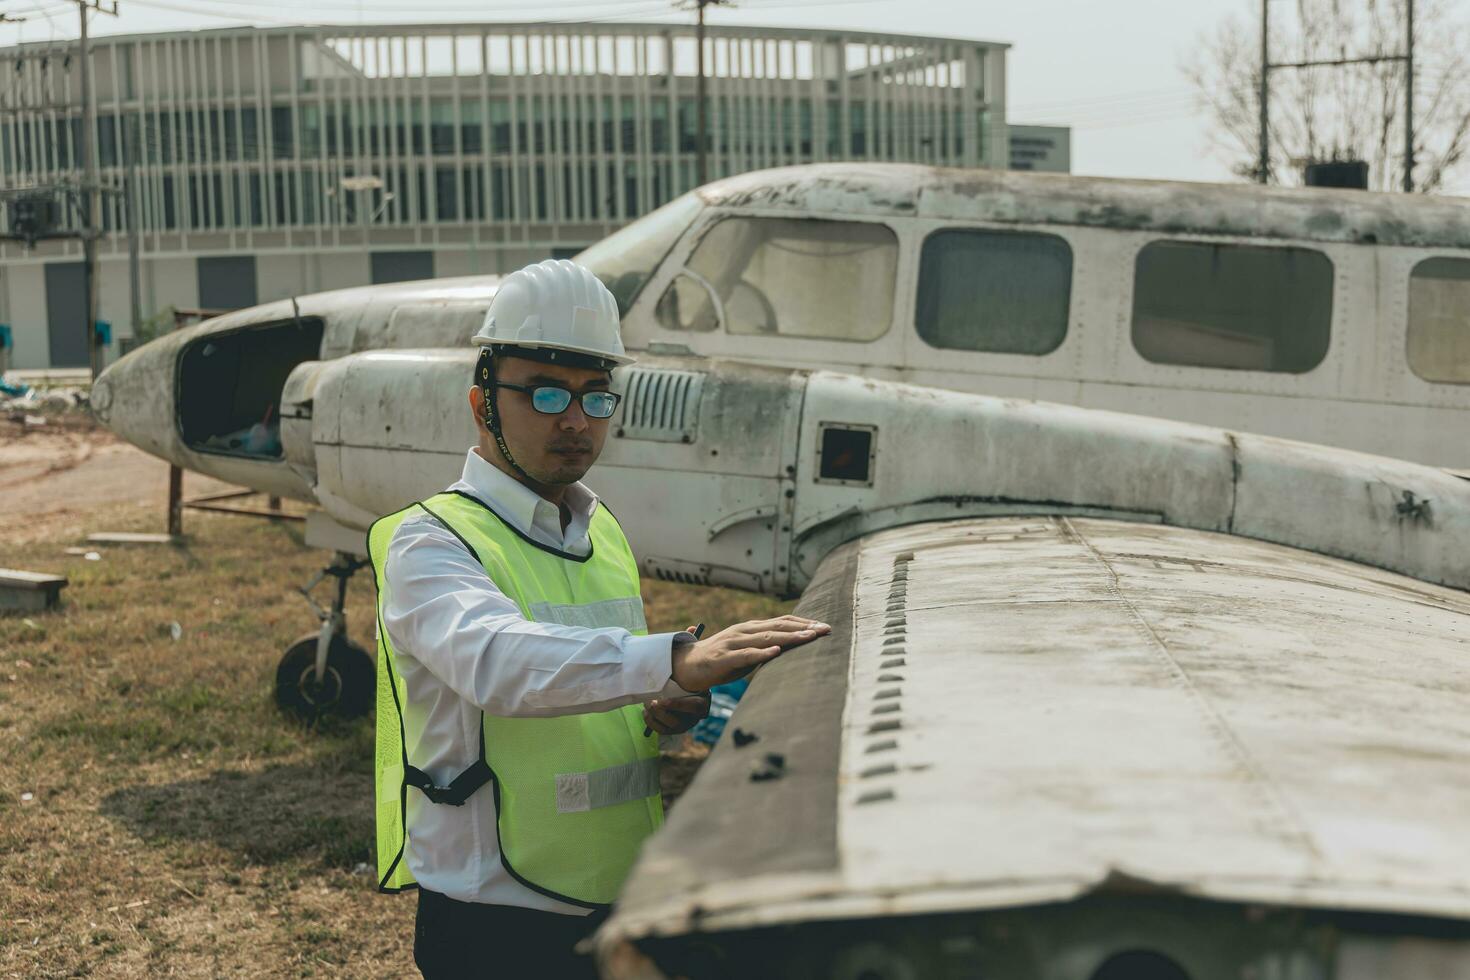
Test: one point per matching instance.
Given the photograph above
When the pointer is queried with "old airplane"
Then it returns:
(1337, 317)
(1109, 696)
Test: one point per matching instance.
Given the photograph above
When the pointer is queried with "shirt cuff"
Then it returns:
(650, 662)
(672, 688)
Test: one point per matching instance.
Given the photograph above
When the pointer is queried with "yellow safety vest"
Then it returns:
(575, 795)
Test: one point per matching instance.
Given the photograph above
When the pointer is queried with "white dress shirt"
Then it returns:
(462, 646)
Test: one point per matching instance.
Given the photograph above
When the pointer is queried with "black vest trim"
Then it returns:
(579, 559)
(402, 736)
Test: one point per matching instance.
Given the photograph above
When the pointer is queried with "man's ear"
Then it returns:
(477, 408)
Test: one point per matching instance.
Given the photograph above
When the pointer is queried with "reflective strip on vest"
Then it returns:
(576, 795)
(579, 791)
(627, 613)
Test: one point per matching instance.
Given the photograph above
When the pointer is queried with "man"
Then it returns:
(517, 775)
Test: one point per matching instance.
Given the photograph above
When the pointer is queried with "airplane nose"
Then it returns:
(134, 397)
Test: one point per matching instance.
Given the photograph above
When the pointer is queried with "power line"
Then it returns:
(1139, 96)
(375, 8)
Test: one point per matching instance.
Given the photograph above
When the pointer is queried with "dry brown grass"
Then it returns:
(179, 825)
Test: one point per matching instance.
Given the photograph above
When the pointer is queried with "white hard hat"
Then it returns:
(554, 305)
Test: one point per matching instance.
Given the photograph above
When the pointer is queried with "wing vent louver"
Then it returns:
(661, 406)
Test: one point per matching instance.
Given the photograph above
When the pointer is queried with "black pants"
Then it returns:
(453, 940)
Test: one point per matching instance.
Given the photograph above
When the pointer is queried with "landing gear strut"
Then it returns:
(323, 673)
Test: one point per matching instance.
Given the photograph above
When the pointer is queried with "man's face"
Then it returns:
(555, 450)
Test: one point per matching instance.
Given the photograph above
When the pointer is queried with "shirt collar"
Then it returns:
(521, 505)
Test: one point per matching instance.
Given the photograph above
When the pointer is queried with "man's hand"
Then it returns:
(674, 716)
(732, 653)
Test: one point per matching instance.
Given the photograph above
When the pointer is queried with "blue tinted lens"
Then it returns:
(550, 401)
(599, 404)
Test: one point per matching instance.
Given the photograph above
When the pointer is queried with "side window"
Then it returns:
(1439, 320)
(1242, 307)
(1004, 292)
(791, 277)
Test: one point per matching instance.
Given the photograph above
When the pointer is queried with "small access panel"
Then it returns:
(846, 453)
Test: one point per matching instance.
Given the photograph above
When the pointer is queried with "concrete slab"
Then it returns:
(22, 591)
(130, 537)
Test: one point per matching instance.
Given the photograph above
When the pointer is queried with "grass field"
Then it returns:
(158, 816)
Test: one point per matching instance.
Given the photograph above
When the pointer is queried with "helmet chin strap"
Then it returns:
(492, 416)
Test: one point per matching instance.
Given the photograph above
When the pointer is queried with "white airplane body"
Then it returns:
(1109, 695)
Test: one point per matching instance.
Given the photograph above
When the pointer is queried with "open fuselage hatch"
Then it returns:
(229, 386)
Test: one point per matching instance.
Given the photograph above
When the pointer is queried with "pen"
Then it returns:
(698, 632)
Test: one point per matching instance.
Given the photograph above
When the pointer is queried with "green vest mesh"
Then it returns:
(576, 794)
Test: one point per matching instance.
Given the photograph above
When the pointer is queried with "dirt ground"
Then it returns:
(55, 476)
(159, 816)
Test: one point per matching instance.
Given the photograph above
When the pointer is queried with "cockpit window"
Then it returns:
(1241, 307)
(1439, 320)
(626, 259)
(793, 277)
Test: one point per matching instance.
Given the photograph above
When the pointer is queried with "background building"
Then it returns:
(269, 163)
(1044, 149)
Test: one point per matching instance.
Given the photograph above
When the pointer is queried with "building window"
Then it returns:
(1439, 320)
(829, 280)
(1239, 307)
(226, 282)
(401, 266)
(1002, 292)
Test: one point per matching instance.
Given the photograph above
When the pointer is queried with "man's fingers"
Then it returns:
(658, 719)
(693, 705)
(781, 624)
(787, 638)
(752, 657)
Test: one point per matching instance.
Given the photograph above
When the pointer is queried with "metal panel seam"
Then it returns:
(1294, 829)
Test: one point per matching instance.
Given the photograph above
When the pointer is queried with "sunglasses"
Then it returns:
(551, 400)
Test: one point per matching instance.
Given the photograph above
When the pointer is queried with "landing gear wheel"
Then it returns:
(347, 686)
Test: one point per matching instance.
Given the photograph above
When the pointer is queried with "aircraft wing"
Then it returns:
(1025, 712)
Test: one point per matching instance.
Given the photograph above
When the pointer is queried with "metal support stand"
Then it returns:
(175, 502)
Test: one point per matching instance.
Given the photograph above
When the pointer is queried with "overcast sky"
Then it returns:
(1109, 70)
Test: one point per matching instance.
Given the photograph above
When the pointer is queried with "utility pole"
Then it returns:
(1263, 162)
(130, 190)
(701, 167)
(1409, 98)
(91, 182)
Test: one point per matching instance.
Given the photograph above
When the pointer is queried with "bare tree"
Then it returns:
(1348, 112)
